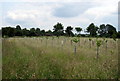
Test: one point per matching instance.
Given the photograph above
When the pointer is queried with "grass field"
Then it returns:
(54, 58)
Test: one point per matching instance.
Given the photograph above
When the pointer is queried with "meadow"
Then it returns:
(54, 58)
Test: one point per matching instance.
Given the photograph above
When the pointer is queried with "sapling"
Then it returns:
(64, 40)
(62, 43)
(98, 43)
(46, 40)
(106, 43)
(93, 42)
(114, 36)
(84, 41)
(41, 40)
(103, 41)
(71, 42)
(52, 40)
(79, 43)
(75, 40)
(90, 41)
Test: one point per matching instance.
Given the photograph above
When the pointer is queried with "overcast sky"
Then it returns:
(46, 13)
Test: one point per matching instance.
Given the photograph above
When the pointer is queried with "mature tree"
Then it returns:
(8, 31)
(110, 30)
(78, 29)
(25, 32)
(18, 27)
(37, 31)
(18, 31)
(42, 32)
(0, 32)
(107, 31)
(4, 32)
(102, 30)
(58, 29)
(118, 34)
(92, 29)
(32, 32)
(49, 33)
(69, 31)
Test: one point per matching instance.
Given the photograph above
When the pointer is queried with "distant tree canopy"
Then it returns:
(92, 29)
(37, 31)
(25, 32)
(18, 31)
(8, 31)
(107, 31)
(69, 31)
(58, 30)
(78, 29)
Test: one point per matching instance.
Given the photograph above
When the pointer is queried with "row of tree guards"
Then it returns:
(76, 41)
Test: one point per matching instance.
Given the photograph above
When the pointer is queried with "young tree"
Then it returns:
(90, 41)
(46, 40)
(75, 40)
(106, 43)
(98, 43)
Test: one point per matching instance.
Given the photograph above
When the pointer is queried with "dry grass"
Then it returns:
(42, 58)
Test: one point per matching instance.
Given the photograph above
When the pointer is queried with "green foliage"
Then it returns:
(46, 37)
(98, 43)
(92, 29)
(58, 29)
(90, 39)
(69, 31)
(78, 29)
(106, 41)
(114, 36)
(8, 32)
(107, 30)
(104, 31)
(76, 40)
(103, 38)
(28, 58)
(37, 31)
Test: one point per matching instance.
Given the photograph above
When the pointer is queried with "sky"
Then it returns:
(44, 14)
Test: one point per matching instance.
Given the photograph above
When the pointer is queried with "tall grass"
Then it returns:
(31, 58)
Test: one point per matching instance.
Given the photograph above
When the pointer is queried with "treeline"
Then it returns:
(58, 30)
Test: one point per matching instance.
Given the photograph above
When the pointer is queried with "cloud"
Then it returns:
(22, 15)
(48, 13)
(30, 14)
(119, 16)
(98, 1)
(0, 15)
(71, 9)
